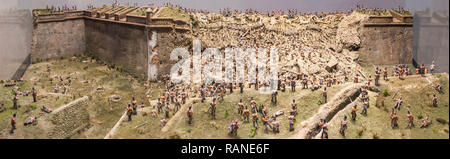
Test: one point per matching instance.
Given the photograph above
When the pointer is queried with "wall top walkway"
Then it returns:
(167, 23)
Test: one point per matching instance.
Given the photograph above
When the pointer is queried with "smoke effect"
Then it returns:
(15, 37)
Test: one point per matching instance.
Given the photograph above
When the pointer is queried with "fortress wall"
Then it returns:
(123, 44)
(167, 40)
(69, 119)
(386, 44)
(120, 44)
(58, 39)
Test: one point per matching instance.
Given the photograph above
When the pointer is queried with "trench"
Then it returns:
(309, 128)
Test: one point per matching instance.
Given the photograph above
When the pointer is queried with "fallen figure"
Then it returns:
(10, 84)
(426, 122)
(315, 87)
(30, 121)
(45, 109)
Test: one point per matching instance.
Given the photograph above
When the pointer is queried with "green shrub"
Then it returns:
(260, 108)
(438, 75)
(252, 132)
(319, 102)
(38, 60)
(34, 106)
(226, 113)
(386, 93)
(420, 116)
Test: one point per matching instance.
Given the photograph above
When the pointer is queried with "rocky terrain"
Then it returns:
(323, 45)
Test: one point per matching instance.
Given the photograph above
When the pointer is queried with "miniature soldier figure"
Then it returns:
(398, 103)
(425, 122)
(34, 93)
(325, 94)
(234, 126)
(274, 97)
(15, 106)
(354, 112)
(343, 126)
(159, 105)
(241, 86)
(231, 88)
(255, 119)
(356, 79)
(410, 119)
(275, 126)
(432, 67)
(240, 107)
(129, 112)
(434, 100)
(385, 74)
(377, 77)
(163, 122)
(246, 114)
(183, 96)
(167, 110)
(364, 111)
(203, 94)
(294, 108)
(394, 118)
(324, 130)
(134, 106)
(190, 114)
(13, 123)
(293, 84)
(291, 122)
(177, 104)
(212, 107)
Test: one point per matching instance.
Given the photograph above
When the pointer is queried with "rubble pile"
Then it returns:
(315, 45)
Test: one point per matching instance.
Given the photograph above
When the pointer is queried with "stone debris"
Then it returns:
(115, 98)
(324, 46)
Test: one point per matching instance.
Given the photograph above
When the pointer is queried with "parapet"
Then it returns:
(132, 15)
(388, 18)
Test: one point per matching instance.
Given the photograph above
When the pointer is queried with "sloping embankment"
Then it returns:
(69, 119)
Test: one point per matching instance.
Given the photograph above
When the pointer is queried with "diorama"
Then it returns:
(120, 70)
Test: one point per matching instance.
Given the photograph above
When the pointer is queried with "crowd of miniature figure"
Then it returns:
(176, 95)
(228, 12)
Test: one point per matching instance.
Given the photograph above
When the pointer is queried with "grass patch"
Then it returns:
(386, 93)
(252, 132)
(174, 13)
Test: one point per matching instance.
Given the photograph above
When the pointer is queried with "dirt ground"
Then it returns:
(88, 78)
(417, 93)
(97, 80)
